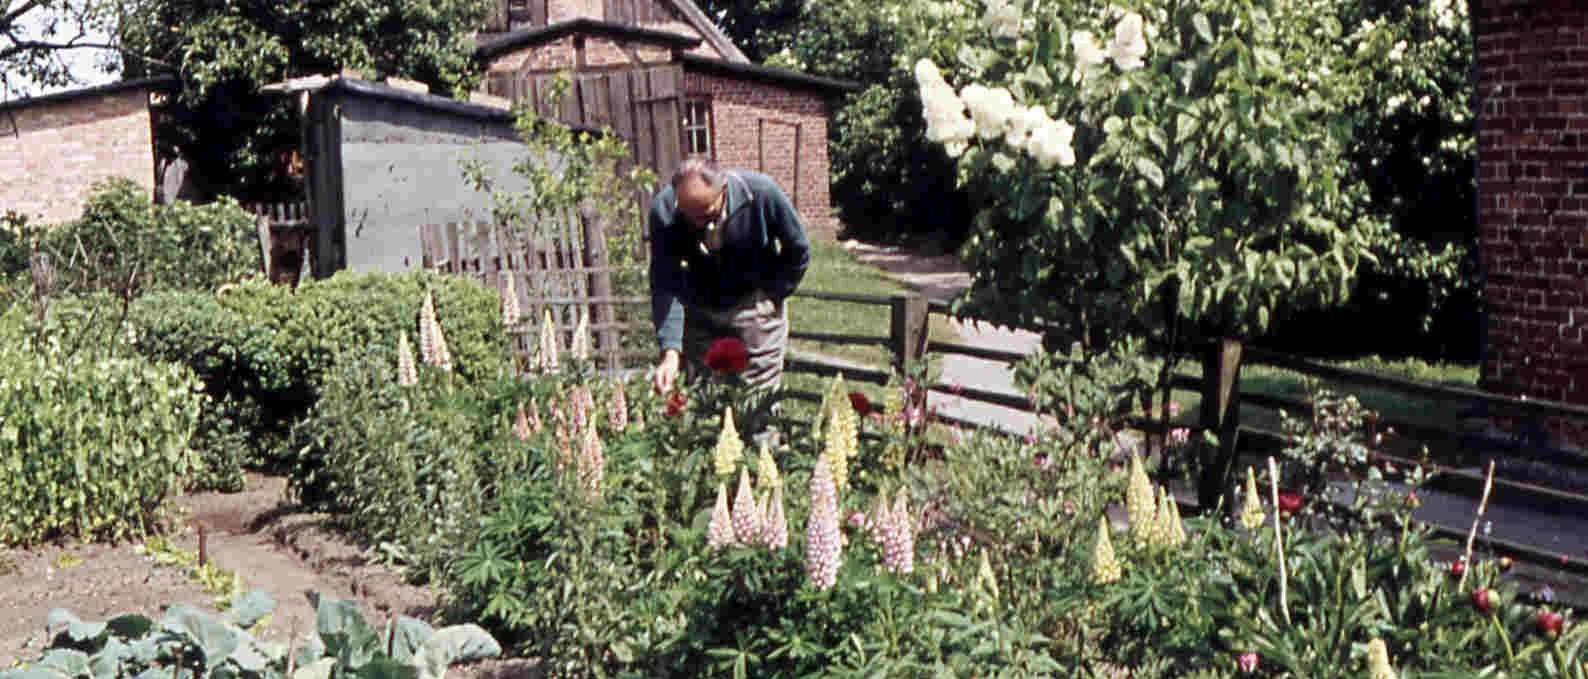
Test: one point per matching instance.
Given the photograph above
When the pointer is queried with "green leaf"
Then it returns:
(212, 638)
(1150, 171)
(1199, 22)
(409, 637)
(319, 669)
(69, 662)
(248, 608)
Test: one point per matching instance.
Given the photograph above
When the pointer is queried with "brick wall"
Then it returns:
(58, 148)
(754, 127)
(1533, 198)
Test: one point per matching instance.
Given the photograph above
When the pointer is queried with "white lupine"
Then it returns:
(1087, 52)
(546, 358)
(1130, 42)
(1003, 18)
(510, 315)
(579, 348)
(407, 372)
(747, 522)
(719, 533)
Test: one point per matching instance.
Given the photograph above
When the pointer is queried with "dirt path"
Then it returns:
(271, 547)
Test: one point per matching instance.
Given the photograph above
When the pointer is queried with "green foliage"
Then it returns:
(91, 445)
(264, 351)
(187, 640)
(127, 245)
(235, 136)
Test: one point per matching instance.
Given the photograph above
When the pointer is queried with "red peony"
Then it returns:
(1289, 502)
(1247, 662)
(728, 355)
(861, 404)
(1483, 598)
(1550, 623)
(1458, 569)
(676, 402)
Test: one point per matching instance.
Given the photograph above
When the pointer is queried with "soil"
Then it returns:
(271, 544)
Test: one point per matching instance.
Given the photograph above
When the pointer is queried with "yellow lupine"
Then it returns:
(1139, 504)
(1378, 662)
(1105, 566)
(1252, 516)
(730, 448)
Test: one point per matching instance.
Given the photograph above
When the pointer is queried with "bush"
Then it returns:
(264, 351)
(91, 445)
(126, 244)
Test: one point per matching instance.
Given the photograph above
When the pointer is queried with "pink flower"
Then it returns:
(1247, 662)
(823, 542)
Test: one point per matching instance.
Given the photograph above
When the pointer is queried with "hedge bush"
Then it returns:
(90, 445)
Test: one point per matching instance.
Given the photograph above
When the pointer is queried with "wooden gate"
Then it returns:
(562, 268)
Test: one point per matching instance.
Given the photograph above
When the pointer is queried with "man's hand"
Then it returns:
(666, 372)
(766, 307)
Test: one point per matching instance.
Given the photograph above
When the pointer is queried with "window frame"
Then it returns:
(709, 126)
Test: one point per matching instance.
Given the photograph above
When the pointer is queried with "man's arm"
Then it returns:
(788, 232)
(667, 278)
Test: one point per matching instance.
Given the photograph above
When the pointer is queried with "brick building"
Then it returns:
(664, 77)
(1532, 80)
(53, 148)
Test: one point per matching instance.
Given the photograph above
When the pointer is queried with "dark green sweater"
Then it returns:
(763, 248)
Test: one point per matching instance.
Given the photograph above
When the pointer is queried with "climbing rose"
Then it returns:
(728, 355)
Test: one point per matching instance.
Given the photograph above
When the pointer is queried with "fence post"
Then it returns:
(1221, 405)
(908, 336)
(597, 258)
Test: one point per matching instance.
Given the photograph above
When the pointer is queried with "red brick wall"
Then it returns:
(58, 149)
(754, 127)
(1533, 197)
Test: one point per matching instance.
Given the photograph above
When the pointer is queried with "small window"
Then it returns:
(697, 126)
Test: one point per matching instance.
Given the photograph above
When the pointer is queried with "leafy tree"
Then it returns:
(37, 35)
(759, 28)
(236, 137)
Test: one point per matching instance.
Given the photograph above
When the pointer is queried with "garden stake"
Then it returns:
(1279, 541)
(1488, 484)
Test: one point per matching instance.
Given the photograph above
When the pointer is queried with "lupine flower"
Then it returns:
(510, 311)
(766, 474)
(985, 575)
(1173, 530)
(823, 541)
(639, 419)
(618, 409)
(407, 372)
(563, 435)
(535, 424)
(1139, 502)
(774, 530)
(727, 355)
(1378, 662)
(592, 461)
(582, 403)
(746, 516)
(1252, 516)
(1105, 567)
(1247, 662)
(730, 448)
(579, 347)
(843, 442)
(521, 429)
(898, 537)
(432, 341)
(719, 533)
(1130, 42)
(546, 357)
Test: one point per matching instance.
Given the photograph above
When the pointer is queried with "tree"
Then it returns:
(236, 137)
(37, 35)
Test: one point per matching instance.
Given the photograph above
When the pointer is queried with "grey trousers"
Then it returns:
(765, 335)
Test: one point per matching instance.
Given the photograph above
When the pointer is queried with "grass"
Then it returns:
(834, 269)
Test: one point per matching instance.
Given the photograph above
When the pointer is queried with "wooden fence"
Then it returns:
(563, 269)
(285, 235)
(1223, 401)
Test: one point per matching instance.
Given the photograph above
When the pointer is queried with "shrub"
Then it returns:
(126, 244)
(90, 445)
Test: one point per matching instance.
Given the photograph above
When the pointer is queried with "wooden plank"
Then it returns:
(620, 100)
(644, 118)
(266, 251)
(667, 82)
(591, 93)
(453, 253)
(877, 300)
(539, 13)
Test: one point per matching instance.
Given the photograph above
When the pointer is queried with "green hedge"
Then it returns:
(90, 445)
(263, 350)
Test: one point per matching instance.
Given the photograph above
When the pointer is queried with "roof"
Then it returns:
(530, 37)
(322, 83)
(781, 76)
(708, 28)
(153, 83)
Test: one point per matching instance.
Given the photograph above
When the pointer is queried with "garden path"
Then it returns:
(940, 278)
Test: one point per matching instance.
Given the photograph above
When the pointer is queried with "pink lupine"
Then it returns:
(592, 462)
(746, 516)
(898, 537)
(432, 341)
(521, 429)
(582, 403)
(719, 533)
(823, 546)
(407, 372)
(774, 530)
(618, 409)
(535, 424)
